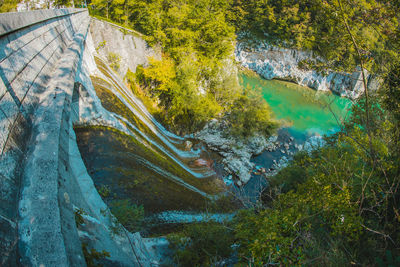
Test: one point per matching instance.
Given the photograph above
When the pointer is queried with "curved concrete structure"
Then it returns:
(43, 181)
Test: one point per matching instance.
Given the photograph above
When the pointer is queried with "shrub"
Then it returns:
(129, 215)
(114, 60)
(251, 114)
(79, 220)
(202, 244)
(104, 191)
(92, 256)
(101, 45)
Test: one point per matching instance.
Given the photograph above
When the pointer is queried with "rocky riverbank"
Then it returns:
(237, 152)
(283, 63)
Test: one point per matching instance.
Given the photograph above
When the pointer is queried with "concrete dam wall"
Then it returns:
(45, 88)
(32, 45)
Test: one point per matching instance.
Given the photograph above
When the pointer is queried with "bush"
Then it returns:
(104, 191)
(202, 244)
(114, 60)
(132, 79)
(129, 215)
(251, 114)
(175, 88)
(101, 45)
(93, 257)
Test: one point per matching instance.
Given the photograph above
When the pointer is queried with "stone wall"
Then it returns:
(129, 45)
(33, 47)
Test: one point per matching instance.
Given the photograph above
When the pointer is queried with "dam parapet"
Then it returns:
(39, 53)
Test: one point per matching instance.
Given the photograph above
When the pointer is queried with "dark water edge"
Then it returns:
(257, 183)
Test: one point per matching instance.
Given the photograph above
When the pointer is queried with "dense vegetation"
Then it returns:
(8, 5)
(196, 79)
(336, 206)
(324, 26)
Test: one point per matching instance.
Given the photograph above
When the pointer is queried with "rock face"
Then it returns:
(282, 63)
(314, 142)
(236, 152)
(128, 45)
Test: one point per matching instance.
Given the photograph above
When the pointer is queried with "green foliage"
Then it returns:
(8, 5)
(104, 191)
(93, 257)
(335, 201)
(202, 244)
(62, 3)
(288, 178)
(389, 261)
(101, 45)
(192, 82)
(114, 60)
(249, 114)
(173, 86)
(320, 26)
(223, 204)
(391, 98)
(79, 220)
(333, 207)
(132, 80)
(129, 215)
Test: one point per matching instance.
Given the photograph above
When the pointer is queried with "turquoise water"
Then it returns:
(304, 110)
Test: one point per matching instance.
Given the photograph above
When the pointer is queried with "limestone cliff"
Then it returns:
(283, 63)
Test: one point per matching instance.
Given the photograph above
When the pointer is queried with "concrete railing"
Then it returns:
(39, 56)
(28, 53)
(14, 21)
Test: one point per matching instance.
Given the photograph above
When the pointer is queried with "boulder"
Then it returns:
(236, 152)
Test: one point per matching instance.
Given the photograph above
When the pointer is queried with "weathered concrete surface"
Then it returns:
(47, 224)
(45, 87)
(15, 21)
(125, 248)
(132, 49)
(30, 46)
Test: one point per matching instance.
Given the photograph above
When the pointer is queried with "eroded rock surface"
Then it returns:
(283, 63)
(236, 152)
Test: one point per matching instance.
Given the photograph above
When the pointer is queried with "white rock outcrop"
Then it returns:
(236, 152)
(283, 63)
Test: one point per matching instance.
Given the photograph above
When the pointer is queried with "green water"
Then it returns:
(302, 109)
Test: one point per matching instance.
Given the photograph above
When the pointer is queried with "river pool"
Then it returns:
(305, 111)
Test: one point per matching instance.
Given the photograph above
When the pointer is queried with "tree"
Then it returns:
(62, 3)
(102, 6)
(8, 5)
(251, 114)
(203, 244)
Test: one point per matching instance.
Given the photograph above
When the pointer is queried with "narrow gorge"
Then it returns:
(199, 133)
